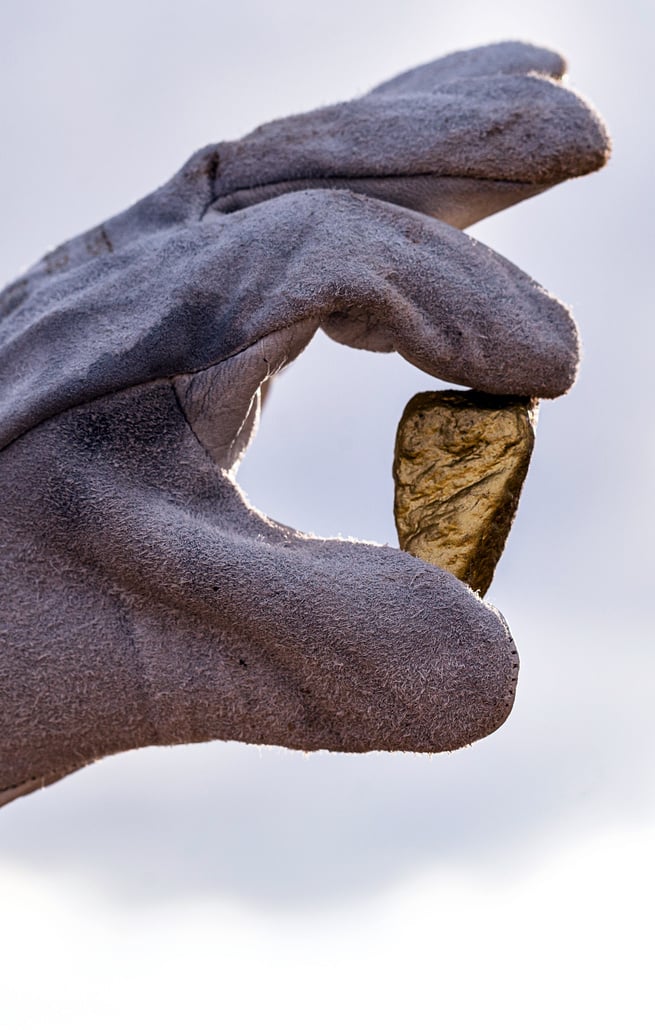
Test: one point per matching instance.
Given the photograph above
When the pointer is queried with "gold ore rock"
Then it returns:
(460, 461)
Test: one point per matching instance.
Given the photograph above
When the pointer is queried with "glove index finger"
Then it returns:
(372, 274)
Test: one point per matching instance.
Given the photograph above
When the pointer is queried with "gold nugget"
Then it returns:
(460, 461)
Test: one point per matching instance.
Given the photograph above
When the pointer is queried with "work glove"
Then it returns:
(142, 600)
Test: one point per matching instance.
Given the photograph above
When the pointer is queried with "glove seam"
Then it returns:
(218, 196)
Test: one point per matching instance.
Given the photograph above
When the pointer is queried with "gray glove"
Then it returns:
(142, 601)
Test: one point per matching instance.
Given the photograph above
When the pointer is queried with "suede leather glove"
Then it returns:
(142, 600)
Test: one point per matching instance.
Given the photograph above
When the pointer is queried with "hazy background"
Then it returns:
(508, 883)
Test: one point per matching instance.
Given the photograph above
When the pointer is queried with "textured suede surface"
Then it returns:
(142, 600)
(168, 611)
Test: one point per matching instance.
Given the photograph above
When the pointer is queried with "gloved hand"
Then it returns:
(142, 600)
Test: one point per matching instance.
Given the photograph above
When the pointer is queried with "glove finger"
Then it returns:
(378, 278)
(473, 147)
(506, 58)
(444, 139)
(374, 275)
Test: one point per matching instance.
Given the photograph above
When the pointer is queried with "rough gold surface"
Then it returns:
(461, 458)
